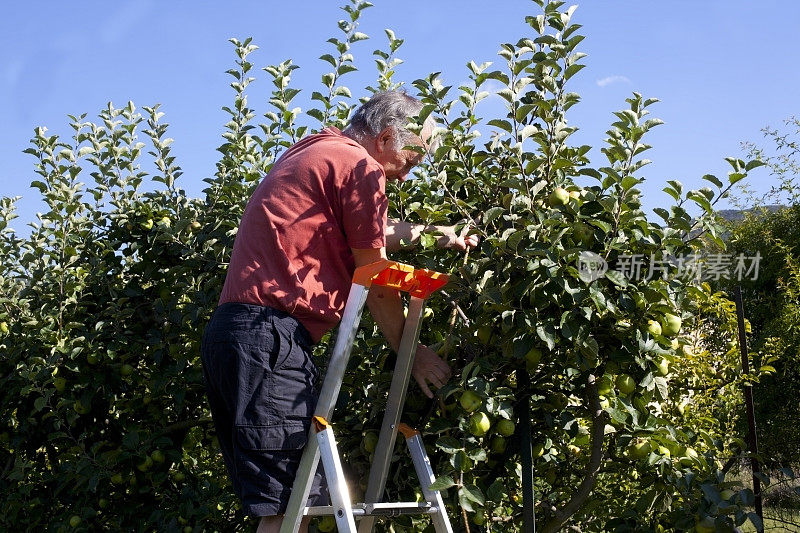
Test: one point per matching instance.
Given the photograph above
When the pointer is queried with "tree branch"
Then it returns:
(583, 491)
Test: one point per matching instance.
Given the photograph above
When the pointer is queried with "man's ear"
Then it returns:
(385, 139)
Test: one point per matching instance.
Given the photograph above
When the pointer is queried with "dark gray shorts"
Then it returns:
(261, 383)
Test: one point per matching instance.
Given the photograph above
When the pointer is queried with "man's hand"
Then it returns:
(457, 241)
(401, 234)
(429, 368)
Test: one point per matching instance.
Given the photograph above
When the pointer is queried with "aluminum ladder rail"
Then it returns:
(321, 444)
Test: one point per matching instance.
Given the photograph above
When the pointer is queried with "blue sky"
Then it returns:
(722, 69)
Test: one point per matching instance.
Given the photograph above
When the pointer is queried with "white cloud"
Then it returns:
(608, 80)
(119, 24)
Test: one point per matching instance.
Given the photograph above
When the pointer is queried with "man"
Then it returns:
(318, 214)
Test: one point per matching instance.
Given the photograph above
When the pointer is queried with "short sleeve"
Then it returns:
(364, 206)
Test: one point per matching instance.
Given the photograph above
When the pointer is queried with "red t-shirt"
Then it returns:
(324, 196)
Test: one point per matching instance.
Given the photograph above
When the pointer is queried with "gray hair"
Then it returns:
(387, 109)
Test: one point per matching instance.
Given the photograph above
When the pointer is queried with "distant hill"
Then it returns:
(735, 215)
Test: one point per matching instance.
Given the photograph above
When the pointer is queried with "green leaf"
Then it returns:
(473, 493)
(735, 177)
(754, 164)
(672, 192)
(502, 124)
(713, 179)
(572, 70)
(546, 332)
(617, 278)
(39, 403)
(663, 213)
(492, 213)
(317, 114)
(441, 483)
(527, 131)
(590, 348)
(662, 388)
(344, 69)
(329, 58)
(628, 182)
(449, 445)
(756, 520)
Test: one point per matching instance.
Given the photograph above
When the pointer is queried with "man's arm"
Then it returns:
(399, 232)
(386, 308)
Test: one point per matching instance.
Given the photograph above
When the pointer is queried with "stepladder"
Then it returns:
(419, 284)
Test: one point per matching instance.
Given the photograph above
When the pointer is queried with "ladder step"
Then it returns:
(377, 509)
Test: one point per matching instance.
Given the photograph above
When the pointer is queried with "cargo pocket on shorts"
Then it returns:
(290, 435)
(267, 457)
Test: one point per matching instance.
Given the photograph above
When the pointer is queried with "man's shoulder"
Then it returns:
(334, 147)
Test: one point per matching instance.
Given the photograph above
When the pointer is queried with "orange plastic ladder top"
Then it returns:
(420, 282)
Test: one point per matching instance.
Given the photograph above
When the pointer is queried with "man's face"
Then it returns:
(397, 162)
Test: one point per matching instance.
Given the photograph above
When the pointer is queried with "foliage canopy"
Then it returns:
(102, 307)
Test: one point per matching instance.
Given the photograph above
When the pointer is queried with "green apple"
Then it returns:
(165, 222)
(165, 293)
(498, 444)
(479, 518)
(479, 424)
(662, 366)
(533, 357)
(80, 408)
(103, 503)
(195, 226)
(60, 384)
(188, 529)
(671, 324)
(157, 456)
(126, 369)
(583, 233)
(706, 525)
(178, 476)
(558, 400)
(538, 450)
(604, 386)
(92, 358)
(689, 458)
(4, 327)
(484, 334)
(148, 224)
(625, 384)
(639, 448)
(117, 479)
(470, 401)
(506, 427)
(653, 327)
(74, 520)
(370, 441)
(559, 196)
(326, 524)
(145, 465)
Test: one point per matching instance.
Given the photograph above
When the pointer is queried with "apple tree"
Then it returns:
(104, 422)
